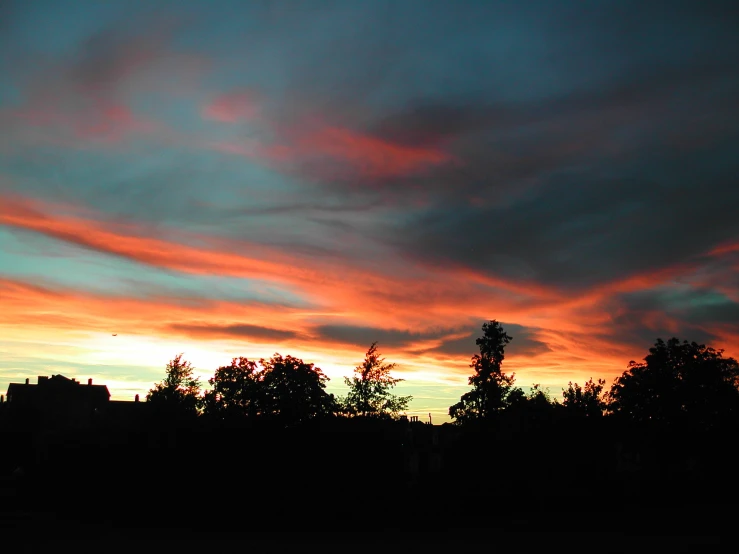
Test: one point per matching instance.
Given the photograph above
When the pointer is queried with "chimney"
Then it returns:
(2, 399)
(136, 398)
(89, 381)
(26, 380)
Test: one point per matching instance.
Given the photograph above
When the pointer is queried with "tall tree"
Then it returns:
(683, 383)
(293, 391)
(236, 391)
(370, 389)
(178, 394)
(490, 385)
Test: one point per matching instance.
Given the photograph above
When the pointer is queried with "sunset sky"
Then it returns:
(229, 178)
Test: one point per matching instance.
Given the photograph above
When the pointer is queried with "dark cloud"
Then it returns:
(631, 329)
(365, 336)
(698, 306)
(588, 226)
(433, 121)
(102, 63)
(111, 55)
(238, 331)
(624, 83)
(522, 343)
(660, 127)
(640, 318)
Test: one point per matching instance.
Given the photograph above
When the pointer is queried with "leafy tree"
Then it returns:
(490, 385)
(527, 411)
(293, 392)
(236, 390)
(178, 395)
(538, 396)
(678, 383)
(540, 403)
(516, 398)
(585, 401)
(370, 389)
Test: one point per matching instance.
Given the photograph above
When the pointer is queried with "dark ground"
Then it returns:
(668, 527)
(350, 493)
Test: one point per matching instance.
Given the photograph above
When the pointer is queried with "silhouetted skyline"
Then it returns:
(231, 178)
(649, 458)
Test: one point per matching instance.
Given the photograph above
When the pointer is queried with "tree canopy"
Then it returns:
(678, 383)
(490, 385)
(236, 390)
(179, 393)
(283, 390)
(293, 391)
(585, 401)
(370, 389)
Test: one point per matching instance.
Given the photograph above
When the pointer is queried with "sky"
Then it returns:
(230, 178)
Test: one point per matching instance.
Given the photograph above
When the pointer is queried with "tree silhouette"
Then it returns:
(584, 401)
(678, 383)
(179, 393)
(539, 398)
(526, 411)
(490, 385)
(515, 398)
(236, 391)
(293, 392)
(370, 389)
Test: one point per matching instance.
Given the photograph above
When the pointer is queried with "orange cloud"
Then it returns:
(335, 288)
(47, 306)
(122, 240)
(428, 305)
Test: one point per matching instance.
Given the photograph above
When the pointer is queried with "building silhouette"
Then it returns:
(58, 402)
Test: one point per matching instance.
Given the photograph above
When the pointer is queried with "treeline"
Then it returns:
(679, 385)
(281, 390)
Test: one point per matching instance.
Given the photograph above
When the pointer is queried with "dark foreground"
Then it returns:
(40, 532)
(360, 492)
(362, 523)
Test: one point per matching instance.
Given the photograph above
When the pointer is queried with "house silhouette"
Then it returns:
(56, 402)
